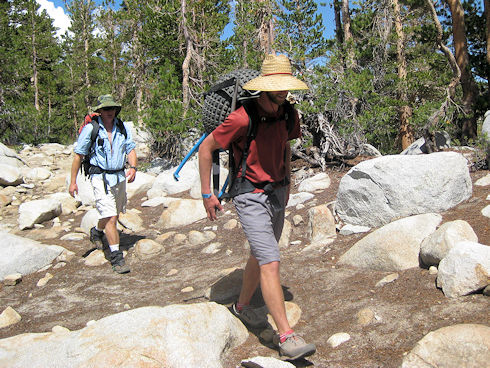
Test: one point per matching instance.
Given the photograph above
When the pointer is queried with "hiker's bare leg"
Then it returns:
(251, 279)
(109, 225)
(270, 285)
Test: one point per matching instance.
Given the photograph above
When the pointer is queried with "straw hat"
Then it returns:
(107, 101)
(276, 75)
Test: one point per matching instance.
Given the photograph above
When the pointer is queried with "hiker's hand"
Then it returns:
(212, 205)
(73, 189)
(131, 174)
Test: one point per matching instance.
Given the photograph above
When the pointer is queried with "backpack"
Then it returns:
(88, 118)
(224, 97)
(85, 167)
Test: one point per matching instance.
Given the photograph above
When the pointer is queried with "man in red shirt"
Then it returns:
(264, 193)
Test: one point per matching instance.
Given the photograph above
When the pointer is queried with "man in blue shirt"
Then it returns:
(108, 154)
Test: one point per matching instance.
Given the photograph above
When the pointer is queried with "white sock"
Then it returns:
(114, 247)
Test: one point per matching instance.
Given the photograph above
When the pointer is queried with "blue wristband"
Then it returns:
(205, 196)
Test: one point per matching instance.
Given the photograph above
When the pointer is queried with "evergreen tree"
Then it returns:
(299, 30)
(29, 40)
(81, 58)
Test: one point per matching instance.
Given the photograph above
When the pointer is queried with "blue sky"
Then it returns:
(61, 20)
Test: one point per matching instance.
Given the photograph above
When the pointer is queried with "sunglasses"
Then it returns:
(108, 108)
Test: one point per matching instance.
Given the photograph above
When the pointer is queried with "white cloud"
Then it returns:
(61, 20)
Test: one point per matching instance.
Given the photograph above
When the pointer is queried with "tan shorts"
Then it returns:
(112, 203)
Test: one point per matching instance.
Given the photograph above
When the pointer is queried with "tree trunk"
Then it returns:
(85, 35)
(139, 71)
(451, 88)
(348, 42)
(34, 61)
(338, 23)
(487, 33)
(470, 89)
(266, 29)
(405, 134)
(187, 60)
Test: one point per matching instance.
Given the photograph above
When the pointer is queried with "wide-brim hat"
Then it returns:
(276, 75)
(107, 101)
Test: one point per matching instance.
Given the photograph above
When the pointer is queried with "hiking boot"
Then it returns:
(117, 262)
(294, 347)
(249, 316)
(96, 238)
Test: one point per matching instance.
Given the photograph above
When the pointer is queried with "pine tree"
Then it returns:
(299, 30)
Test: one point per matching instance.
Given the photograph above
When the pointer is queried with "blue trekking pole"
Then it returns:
(186, 158)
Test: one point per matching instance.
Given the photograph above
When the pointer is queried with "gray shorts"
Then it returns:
(262, 219)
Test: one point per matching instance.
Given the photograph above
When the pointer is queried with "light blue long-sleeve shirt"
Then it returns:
(103, 155)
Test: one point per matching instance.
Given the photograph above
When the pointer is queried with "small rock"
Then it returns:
(12, 280)
(96, 258)
(59, 330)
(337, 339)
(387, 279)
(432, 270)
(297, 220)
(172, 272)
(42, 282)
(66, 256)
(365, 316)
(59, 265)
(212, 248)
(187, 289)
(486, 291)
(9, 317)
(230, 225)
(266, 362)
(179, 238)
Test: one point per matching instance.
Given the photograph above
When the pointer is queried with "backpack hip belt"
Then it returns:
(244, 185)
(98, 170)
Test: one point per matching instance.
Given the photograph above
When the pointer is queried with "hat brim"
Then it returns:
(278, 82)
(116, 105)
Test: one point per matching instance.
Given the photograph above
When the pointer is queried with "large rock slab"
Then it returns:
(394, 247)
(485, 129)
(196, 335)
(377, 191)
(463, 345)
(24, 256)
(9, 157)
(36, 212)
(141, 184)
(10, 175)
(182, 212)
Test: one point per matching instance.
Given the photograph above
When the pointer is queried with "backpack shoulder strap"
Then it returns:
(95, 132)
(122, 127)
(289, 116)
(253, 123)
(253, 119)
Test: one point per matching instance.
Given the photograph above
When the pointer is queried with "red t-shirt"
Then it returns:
(265, 161)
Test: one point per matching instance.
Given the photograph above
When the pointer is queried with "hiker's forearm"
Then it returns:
(206, 149)
(75, 166)
(133, 158)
